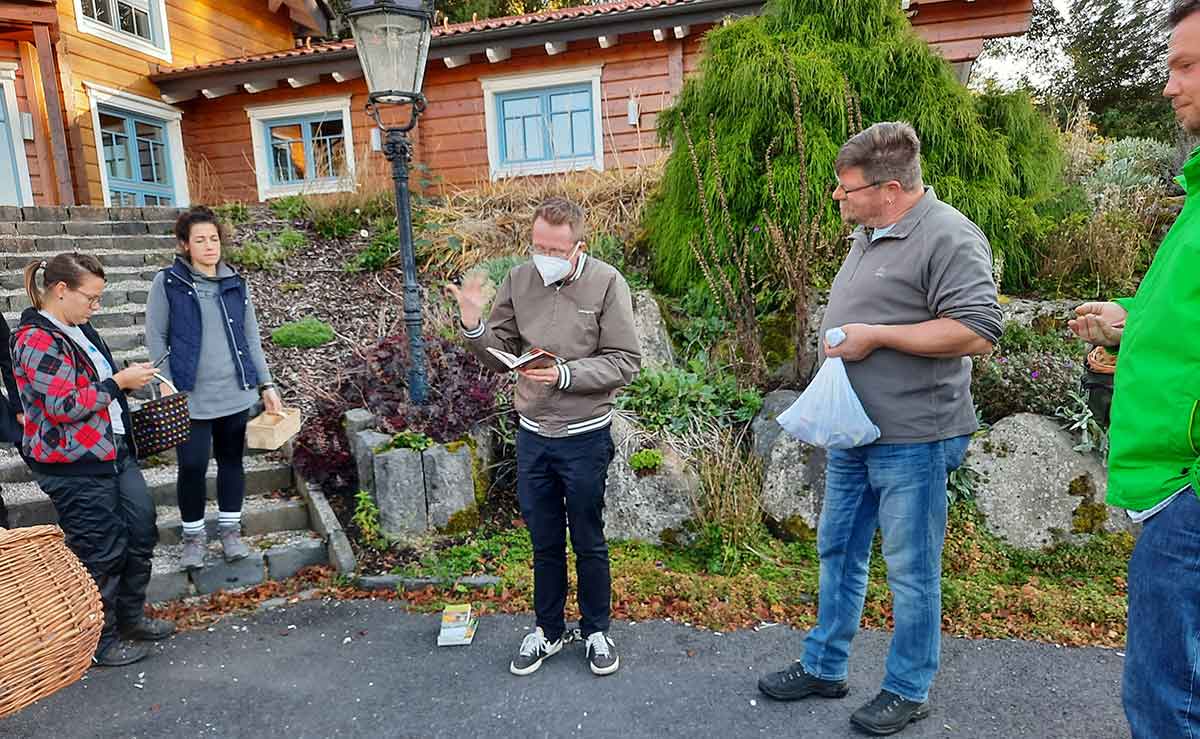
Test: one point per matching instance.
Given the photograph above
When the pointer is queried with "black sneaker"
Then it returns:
(602, 654)
(119, 653)
(794, 683)
(148, 629)
(534, 648)
(888, 713)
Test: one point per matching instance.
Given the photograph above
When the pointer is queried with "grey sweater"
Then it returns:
(218, 390)
(933, 263)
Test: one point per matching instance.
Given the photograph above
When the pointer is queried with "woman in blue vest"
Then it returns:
(200, 317)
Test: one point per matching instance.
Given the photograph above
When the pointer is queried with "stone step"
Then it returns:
(261, 514)
(88, 213)
(116, 293)
(14, 279)
(109, 257)
(28, 243)
(29, 506)
(273, 556)
(87, 228)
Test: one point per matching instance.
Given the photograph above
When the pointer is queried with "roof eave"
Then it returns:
(472, 42)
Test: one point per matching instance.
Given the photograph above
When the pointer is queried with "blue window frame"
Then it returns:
(136, 158)
(306, 149)
(551, 124)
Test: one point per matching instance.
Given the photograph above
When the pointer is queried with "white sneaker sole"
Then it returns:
(606, 670)
(521, 672)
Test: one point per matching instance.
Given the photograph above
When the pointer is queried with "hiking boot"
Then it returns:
(148, 629)
(602, 654)
(119, 653)
(794, 683)
(535, 647)
(888, 713)
(194, 546)
(232, 544)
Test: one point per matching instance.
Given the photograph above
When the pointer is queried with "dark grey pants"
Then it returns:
(109, 523)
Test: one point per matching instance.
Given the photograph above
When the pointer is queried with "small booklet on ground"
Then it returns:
(458, 627)
(532, 359)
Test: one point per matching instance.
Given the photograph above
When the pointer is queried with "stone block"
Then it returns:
(10, 213)
(358, 419)
(45, 213)
(285, 561)
(124, 214)
(362, 446)
(221, 575)
(449, 482)
(653, 339)
(400, 492)
(87, 213)
(379, 582)
(1034, 489)
(40, 228)
(644, 508)
(129, 228)
(168, 586)
(479, 582)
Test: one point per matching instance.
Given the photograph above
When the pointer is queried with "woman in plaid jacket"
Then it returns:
(74, 442)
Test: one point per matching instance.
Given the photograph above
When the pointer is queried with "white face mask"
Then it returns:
(553, 269)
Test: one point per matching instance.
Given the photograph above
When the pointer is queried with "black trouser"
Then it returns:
(109, 523)
(225, 439)
(3, 512)
(557, 480)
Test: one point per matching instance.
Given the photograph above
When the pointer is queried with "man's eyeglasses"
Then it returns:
(537, 251)
(848, 190)
(93, 300)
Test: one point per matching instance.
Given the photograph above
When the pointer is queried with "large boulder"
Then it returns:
(450, 486)
(1034, 489)
(653, 339)
(651, 508)
(793, 472)
(400, 492)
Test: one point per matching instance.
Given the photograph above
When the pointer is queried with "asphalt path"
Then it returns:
(371, 669)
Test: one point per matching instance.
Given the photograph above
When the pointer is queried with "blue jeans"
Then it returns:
(1161, 691)
(901, 490)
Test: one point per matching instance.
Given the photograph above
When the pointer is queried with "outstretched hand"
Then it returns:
(1100, 324)
(471, 297)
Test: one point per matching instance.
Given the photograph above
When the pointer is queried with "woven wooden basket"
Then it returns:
(50, 616)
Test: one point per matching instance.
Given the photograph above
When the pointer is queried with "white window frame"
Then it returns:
(260, 114)
(497, 168)
(158, 11)
(171, 116)
(8, 88)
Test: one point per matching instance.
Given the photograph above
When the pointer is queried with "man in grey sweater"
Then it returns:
(915, 298)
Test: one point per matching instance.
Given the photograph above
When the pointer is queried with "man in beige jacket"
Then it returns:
(578, 309)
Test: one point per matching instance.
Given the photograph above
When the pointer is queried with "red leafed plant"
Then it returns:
(462, 394)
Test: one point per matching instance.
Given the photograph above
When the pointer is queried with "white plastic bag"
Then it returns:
(828, 413)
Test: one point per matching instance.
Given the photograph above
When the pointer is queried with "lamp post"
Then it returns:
(392, 40)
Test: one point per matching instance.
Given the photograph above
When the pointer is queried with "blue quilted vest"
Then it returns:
(183, 336)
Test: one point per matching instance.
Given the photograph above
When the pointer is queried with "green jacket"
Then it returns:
(1155, 433)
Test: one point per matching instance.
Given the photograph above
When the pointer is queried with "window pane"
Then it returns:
(287, 146)
(560, 135)
(570, 101)
(152, 159)
(99, 10)
(514, 141)
(148, 131)
(133, 20)
(121, 198)
(535, 147)
(515, 107)
(582, 129)
(331, 127)
(115, 142)
(328, 147)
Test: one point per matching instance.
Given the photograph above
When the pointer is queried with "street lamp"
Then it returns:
(392, 40)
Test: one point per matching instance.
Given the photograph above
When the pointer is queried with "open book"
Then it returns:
(532, 359)
(458, 626)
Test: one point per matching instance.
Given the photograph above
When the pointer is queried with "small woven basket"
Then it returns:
(50, 616)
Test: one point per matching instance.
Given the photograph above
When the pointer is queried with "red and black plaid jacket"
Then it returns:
(68, 428)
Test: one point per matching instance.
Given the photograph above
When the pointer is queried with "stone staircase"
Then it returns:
(279, 516)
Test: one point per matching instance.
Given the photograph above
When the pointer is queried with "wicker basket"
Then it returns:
(50, 616)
